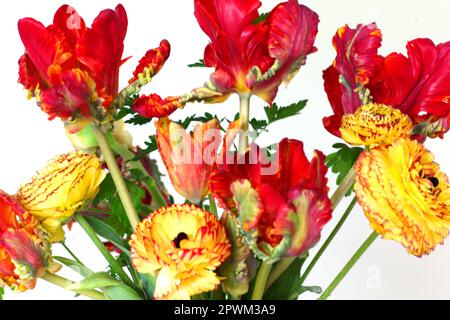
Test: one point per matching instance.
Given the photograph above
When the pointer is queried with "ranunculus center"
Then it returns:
(434, 181)
(180, 237)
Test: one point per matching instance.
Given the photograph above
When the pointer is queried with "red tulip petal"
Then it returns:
(153, 61)
(153, 106)
(101, 47)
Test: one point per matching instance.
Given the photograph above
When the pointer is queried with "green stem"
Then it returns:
(71, 253)
(212, 205)
(341, 275)
(117, 177)
(261, 280)
(150, 182)
(64, 283)
(328, 241)
(343, 188)
(244, 114)
(115, 266)
(278, 270)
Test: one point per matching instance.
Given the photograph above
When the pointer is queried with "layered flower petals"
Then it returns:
(374, 124)
(282, 206)
(182, 245)
(152, 62)
(404, 195)
(153, 106)
(189, 157)
(24, 247)
(417, 84)
(255, 57)
(57, 56)
(62, 187)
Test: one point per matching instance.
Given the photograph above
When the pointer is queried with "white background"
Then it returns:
(28, 140)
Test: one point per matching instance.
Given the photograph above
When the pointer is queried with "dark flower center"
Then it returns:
(180, 237)
(434, 181)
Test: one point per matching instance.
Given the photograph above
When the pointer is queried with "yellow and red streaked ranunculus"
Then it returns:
(73, 70)
(255, 57)
(62, 187)
(189, 157)
(418, 84)
(24, 246)
(375, 124)
(182, 246)
(281, 206)
(405, 195)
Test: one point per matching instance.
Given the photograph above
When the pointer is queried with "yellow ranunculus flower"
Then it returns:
(375, 124)
(182, 245)
(61, 188)
(404, 195)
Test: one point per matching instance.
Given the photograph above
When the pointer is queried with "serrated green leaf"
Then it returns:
(138, 120)
(152, 146)
(341, 161)
(199, 64)
(95, 281)
(107, 232)
(75, 266)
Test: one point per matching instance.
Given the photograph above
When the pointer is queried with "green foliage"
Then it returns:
(132, 116)
(262, 18)
(288, 285)
(199, 64)
(194, 118)
(2, 292)
(151, 146)
(107, 232)
(108, 193)
(275, 114)
(341, 161)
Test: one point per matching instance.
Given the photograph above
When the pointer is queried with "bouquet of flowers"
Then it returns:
(251, 212)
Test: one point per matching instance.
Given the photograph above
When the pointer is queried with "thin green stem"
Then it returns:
(278, 270)
(115, 266)
(71, 253)
(150, 182)
(64, 283)
(343, 188)
(336, 198)
(244, 114)
(212, 205)
(345, 270)
(116, 174)
(328, 241)
(261, 280)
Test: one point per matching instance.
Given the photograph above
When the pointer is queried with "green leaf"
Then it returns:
(149, 283)
(341, 161)
(199, 64)
(276, 113)
(288, 286)
(75, 266)
(138, 120)
(151, 146)
(262, 18)
(2, 292)
(107, 232)
(95, 281)
(121, 292)
(107, 190)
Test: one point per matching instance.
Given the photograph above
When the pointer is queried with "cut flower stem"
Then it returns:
(64, 283)
(116, 175)
(345, 270)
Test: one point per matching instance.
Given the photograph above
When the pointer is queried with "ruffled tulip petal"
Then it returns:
(152, 62)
